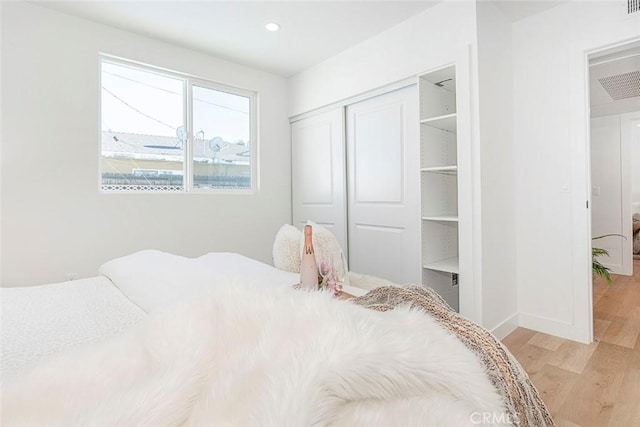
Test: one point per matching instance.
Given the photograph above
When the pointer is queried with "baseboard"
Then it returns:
(505, 327)
(548, 326)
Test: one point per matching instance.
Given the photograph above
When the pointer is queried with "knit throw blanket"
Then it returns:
(509, 378)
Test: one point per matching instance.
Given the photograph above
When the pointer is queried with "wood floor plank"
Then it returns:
(561, 422)
(604, 378)
(600, 287)
(622, 331)
(592, 398)
(517, 338)
(596, 390)
(634, 359)
(599, 328)
(546, 341)
(554, 385)
(626, 411)
(609, 303)
(572, 356)
(532, 358)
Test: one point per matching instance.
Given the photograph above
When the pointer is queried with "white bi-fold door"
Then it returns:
(383, 176)
(365, 187)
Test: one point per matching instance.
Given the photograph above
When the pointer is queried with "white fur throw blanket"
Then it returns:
(255, 356)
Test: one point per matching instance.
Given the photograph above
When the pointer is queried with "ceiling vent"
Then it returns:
(622, 86)
(633, 6)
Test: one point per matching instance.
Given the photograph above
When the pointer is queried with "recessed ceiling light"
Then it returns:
(272, 26)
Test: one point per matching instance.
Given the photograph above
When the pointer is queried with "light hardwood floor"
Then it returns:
(595, 385)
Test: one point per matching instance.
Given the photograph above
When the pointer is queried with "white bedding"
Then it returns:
(154, 279)
(38, 321)
(251, 355)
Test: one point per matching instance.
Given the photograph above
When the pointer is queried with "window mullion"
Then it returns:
(188, 121)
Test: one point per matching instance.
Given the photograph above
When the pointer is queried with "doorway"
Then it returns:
(615, 187)
(614, 100)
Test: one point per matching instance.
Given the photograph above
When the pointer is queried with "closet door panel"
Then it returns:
(378, 166)
(383, 179)
(318, 173)
(314, 179)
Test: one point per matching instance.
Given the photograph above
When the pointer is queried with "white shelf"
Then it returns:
(440, 225)
(433, 77)
(445, 122)
(449, 265)
(440, 218)
(450, 170)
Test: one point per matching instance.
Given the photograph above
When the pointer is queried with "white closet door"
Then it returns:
(318, 173)
(383, 156)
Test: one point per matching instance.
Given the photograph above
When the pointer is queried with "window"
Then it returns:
(166, 132)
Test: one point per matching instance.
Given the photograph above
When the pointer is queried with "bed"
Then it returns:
(38, 321)
(163, 340)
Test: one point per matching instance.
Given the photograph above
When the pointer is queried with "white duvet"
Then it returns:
(38, 321)
(256, 355)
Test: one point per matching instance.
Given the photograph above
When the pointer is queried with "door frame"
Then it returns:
(581, 328)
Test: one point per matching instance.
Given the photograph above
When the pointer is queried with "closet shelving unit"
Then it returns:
(439, 182)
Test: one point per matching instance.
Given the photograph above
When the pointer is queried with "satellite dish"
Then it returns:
(181, 133)
(216, 144)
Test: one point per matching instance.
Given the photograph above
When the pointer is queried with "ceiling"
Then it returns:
(615, 77)
(516, 10)
(311, 31)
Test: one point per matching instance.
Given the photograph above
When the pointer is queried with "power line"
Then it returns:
(175, 93)
(136, 110)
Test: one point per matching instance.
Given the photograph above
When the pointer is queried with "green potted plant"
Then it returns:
(596, 265)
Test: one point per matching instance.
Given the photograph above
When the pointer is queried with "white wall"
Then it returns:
(430, 39)
(551, 157)
(1, 9)
(607, 189)
(54, 220)
(499, 288)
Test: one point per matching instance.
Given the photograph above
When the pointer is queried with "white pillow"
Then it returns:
(153, 279)
(286, 249)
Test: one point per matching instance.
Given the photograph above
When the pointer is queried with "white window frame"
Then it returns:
(188, 82)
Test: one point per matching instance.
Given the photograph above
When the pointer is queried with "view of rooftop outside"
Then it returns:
(144, 144)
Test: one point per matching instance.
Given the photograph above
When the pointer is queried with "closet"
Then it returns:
(355, 170)
(390, 175)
